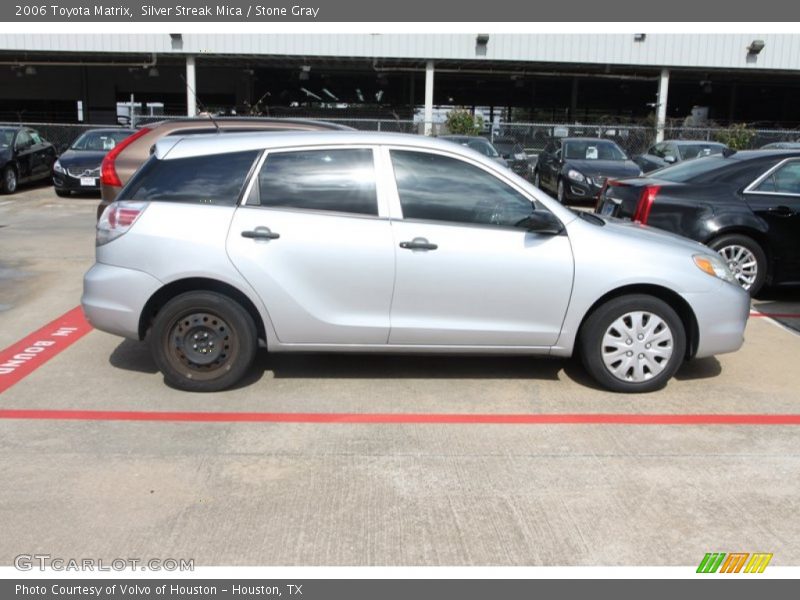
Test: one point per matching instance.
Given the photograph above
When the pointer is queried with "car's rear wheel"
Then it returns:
(746, 260)
(633, 343)
(203, 341)
(9, 183)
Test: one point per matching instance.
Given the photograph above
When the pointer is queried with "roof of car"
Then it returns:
(197, 145)
(255, 122)
(693, 142)
(585, 139)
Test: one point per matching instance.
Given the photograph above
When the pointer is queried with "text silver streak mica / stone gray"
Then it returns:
(361, 242)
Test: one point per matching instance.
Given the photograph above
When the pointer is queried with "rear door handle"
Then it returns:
(418, 244)
(781, 211)
(261, 233)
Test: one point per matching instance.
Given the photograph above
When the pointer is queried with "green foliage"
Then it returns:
(462, 122)
(738, 136)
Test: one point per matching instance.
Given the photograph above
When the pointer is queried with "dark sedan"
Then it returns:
(78, 169)
(670, 152)
(745, 205)
(24, 156)
(577, 168)
(514, 154)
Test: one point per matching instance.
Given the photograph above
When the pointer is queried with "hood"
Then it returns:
(651, 234)
(81, 159)
(605, 168)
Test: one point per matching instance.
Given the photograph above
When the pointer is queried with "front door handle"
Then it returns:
(261, 233)
(781, 211)
(418, 244)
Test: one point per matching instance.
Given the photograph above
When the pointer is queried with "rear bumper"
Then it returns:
(721, 319)
(114, 297)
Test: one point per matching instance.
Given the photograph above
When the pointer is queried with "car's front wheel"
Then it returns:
(561, 193)
(62, 193)
(746, 260)
(633, 343)
(203, 341)
(9, 182)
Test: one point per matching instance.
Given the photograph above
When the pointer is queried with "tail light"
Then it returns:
(117, 219)
(108, 170)
(646, 200)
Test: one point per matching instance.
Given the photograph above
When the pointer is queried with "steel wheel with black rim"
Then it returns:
(9, 180)
(203, 341)
(633, 343)
(745, 258)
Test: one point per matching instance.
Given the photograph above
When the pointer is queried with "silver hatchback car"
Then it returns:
(360, 242)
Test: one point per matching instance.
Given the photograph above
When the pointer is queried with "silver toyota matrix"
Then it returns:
(361, 242)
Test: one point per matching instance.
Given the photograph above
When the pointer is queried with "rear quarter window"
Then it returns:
(215, 179)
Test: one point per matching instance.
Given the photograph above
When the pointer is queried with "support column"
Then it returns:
(661, 114)
(429, 98)
(191, 88)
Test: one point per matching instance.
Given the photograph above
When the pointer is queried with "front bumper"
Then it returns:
(587, 190)
(114, 297)
(65, 182)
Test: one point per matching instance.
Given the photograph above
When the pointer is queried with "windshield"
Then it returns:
(482, 146)
(683, 172)
(593, 150)
(6, 136)
(695, 150)
(102, 141)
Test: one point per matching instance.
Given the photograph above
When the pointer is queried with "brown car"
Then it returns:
(121, 163)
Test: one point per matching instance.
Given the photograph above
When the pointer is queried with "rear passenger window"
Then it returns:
(211, 179)
(326, 180)
(785, 180)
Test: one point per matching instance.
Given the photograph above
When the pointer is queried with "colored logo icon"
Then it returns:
(734, 562)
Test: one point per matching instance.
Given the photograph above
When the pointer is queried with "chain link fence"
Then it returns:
(634, 139)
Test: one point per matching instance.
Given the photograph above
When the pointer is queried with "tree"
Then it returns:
(463, 122)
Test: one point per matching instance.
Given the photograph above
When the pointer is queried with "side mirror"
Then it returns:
(541, 221)
(669, 159)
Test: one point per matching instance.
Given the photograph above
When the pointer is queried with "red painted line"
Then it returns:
(776, 315)
(25, 356)
(453, 418)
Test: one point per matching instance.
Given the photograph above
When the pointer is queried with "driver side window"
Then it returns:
(24, 140)
(439, 188)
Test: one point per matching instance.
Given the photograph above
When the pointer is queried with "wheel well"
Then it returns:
(754, 234)
(678, 304)
(196, 284)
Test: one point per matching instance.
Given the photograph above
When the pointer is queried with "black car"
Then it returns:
(514, 154)
(745, 205)
(477, 143)
(670, 152)
(78, 169)
(577, 168)
(24, 157)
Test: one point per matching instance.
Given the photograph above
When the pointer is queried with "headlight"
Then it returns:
(576, 176)
(57, 167)
(714, 265)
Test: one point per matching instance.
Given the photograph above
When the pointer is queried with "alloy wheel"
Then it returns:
(742, 263)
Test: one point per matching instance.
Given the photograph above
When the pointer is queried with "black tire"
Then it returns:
(9, 183)
(727, 243)
(602, 321)
(62, 193)
(223, 341)
(561, 192)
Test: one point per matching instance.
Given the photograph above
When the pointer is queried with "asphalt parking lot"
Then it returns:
(379, 492)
